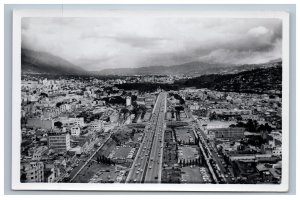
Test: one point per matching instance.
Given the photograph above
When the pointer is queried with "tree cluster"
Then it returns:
(253, 126)
(197, 162)
(104, 160)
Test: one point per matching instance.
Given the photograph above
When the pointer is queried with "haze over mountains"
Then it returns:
(34, 62)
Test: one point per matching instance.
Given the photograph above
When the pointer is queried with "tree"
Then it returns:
(213, 116)
(44, 94)
(268, 127)
(172, 113)
(58, 104)
(58, 124)
(193, 162)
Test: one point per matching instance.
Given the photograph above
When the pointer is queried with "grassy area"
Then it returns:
(169, 154)
(185, 135)
(171, 175)
(105, 176)
(106, 149)
(89, 171)
(192, 175)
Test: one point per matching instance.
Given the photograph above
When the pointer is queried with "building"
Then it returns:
(150, 101)
(277, 151)
(96, 125)
(51, 174)
(59, 142)
(77, 121)
(140, 100)
(40, 123)
(254, 157)
(75, 131)
(32, 172)
(38, 152)
(233, 112)
(128, 101)
(235, 132)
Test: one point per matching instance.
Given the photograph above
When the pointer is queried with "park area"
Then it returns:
(90, 170)
(195, 174)
(185, 135)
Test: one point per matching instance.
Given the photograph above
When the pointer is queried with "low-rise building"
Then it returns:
(40, 123)
(235, 132)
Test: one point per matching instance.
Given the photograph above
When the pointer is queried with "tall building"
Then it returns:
(128, 101)
(59, 142)
(32, 172)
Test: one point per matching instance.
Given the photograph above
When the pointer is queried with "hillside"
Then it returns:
(192, 69)
(258, 80)
(33, 62)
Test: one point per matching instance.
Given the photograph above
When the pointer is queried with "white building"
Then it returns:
(128, 101)
(77, 121)
(38, 152)
(75, 131)
(277, 151)
(59, 142)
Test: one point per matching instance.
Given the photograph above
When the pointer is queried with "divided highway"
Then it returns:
(146, 167)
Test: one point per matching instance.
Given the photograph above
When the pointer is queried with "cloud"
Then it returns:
(139, 41)
(258, 31)
(119, 42)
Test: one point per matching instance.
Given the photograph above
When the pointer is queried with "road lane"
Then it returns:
(149, 146)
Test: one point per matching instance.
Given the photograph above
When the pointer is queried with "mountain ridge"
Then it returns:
(194, 69)
(35, 62)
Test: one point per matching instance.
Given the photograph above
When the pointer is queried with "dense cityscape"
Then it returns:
(152, 129)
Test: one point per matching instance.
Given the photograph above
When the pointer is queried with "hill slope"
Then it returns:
(258, 80)
(33, 62)
(193, 69)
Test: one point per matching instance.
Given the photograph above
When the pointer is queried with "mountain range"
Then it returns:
(34, 62)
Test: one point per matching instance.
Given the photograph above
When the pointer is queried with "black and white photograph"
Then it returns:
(151, 100)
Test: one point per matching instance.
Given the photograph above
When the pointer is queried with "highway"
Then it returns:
(147, 164)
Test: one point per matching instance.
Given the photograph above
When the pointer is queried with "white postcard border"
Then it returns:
(16, 101)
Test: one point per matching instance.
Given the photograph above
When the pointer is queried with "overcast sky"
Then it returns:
(98, 43)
